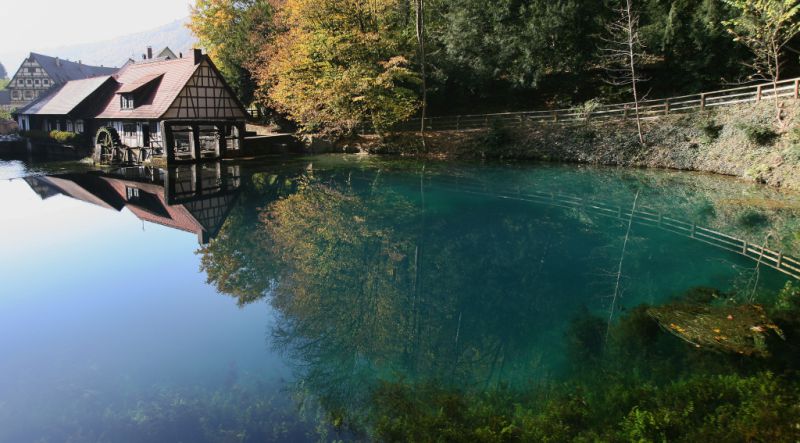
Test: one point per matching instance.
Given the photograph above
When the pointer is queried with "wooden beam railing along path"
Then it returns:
(647, 109)
(642, 216)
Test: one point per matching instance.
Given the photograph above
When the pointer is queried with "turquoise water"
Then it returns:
(269, 301)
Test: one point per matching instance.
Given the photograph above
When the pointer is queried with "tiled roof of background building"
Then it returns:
(61, 71)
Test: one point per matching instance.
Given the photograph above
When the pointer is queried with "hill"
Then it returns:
(116, 51)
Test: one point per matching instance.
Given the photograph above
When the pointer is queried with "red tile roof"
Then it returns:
(176, 73)
(64, 98)
(138, 84)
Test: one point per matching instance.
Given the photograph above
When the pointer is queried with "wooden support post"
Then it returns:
(196, 152)
(780, 260)
(169, 141)
(702, 102)
(197, 179)
(694, 229)
(797, 88)
(222, 145)
(625, 111)
(744, 248)
(555, 116)
(758, 93)
(666, 106)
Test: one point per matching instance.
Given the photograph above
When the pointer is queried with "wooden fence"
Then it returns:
(647, 109)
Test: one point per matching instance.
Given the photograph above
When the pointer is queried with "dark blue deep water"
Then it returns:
(353, 298)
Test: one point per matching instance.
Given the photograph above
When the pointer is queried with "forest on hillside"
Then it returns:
(328, 64)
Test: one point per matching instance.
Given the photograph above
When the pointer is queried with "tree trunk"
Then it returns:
(419, 6)
(631, 52)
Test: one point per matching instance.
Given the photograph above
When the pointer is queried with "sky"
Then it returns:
(27, 25)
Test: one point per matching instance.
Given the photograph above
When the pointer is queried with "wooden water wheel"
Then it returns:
(108, 144)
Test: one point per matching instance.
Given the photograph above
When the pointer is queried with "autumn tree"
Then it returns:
(341, 63)
(765, 27)
(233, 32)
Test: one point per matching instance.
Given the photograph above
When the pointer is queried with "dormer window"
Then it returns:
(126, 101)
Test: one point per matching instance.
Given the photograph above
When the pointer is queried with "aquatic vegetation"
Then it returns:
(631, 390)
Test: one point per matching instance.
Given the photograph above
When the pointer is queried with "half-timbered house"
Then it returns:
(38, 73)
(178, 108)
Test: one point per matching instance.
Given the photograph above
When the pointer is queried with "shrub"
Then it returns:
(710, 130)
(65, 137)
(496, 137)
(760, 135)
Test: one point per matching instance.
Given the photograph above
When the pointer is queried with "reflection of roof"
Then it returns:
(85, 188)
(158, 211)
(176, 73)
(63, 99)
(63, 70)
(202, 216)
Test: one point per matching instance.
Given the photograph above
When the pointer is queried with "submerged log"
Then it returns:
(741, 329)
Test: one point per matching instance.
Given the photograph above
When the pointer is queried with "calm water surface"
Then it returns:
(271, 301)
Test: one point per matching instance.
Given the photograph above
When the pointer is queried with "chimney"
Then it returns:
(80, 62)
(180, 55)
(144, 56)
(58, 62)
(149, 52)
(198, 56)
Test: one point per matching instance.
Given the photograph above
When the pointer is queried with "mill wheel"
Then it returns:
(107, 140)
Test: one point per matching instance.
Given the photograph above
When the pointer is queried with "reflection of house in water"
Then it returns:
(192, 198)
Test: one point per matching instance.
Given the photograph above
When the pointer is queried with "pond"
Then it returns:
(361, 298)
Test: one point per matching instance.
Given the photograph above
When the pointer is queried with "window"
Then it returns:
(36, 82)
(28, 95)
(31, 70)
(45, 82)
(129, 129)
(70, 128)
(28, 81)
(126, 101)
(132, 194)
(15, 95)
(79, 126)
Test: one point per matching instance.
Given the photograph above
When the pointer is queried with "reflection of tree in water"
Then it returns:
(238, 261)
(368, 291)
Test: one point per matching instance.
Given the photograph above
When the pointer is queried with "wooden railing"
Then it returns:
(647, 109)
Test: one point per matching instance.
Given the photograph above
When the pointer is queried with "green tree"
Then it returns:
(765, 27)
(233, 32)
